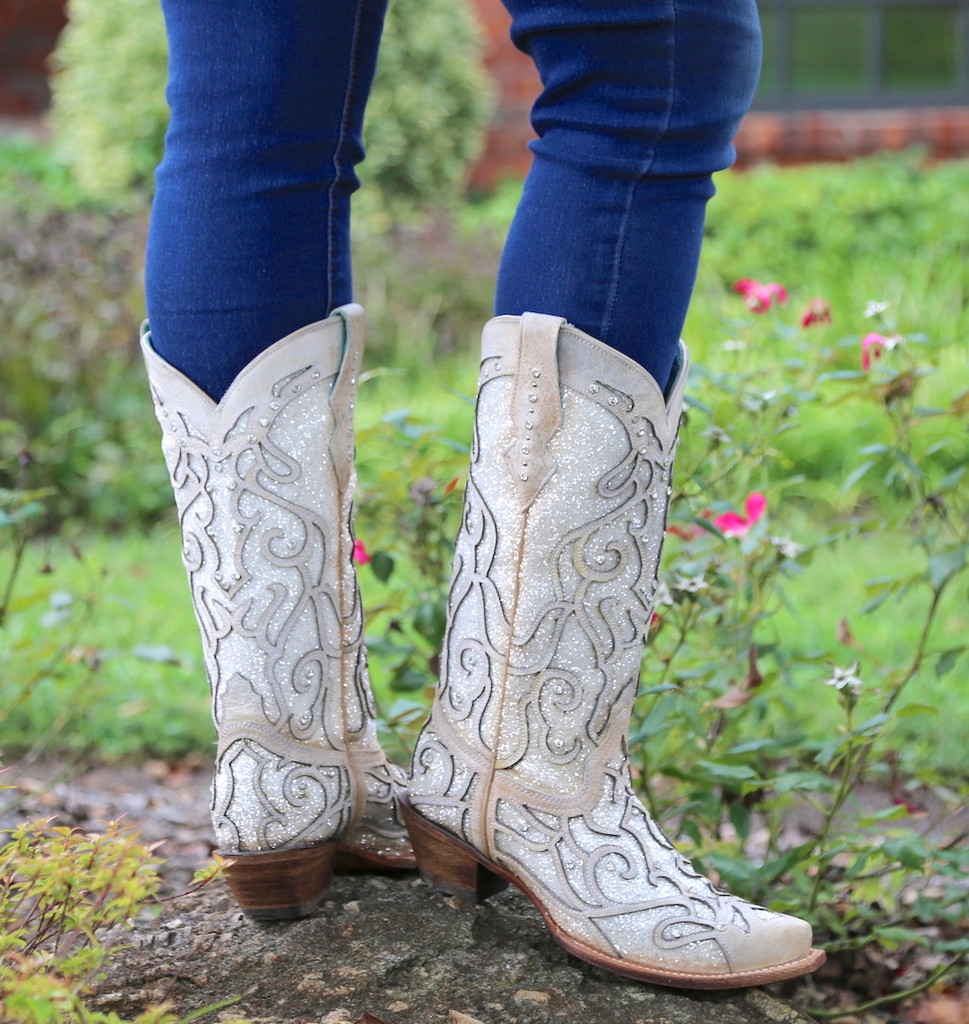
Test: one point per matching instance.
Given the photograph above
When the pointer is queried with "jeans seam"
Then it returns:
(634, 185)
(338, 156)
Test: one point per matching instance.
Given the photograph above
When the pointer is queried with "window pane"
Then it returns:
(828, 49)
(769, 83)
(921, 43)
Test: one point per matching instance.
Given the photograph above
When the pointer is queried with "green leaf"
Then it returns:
(946, 662)
(893, 936)
(430, 620)
(654, 722)
(750, 746)
(841, 375)
(945, 564)
(853, 477)
(828, 752)
(951, 479)
(740, 819)
(382, 565)
(771, 870)
(958, 946)
(729, 774)
(407, 680)
(908, 850)
(871, 725)
(913, 710)
(811, 782)
(893, 813)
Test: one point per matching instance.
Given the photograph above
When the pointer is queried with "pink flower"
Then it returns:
(817, 311)
(872, 346)
(760, 297)
(732, 524)
(360, 555)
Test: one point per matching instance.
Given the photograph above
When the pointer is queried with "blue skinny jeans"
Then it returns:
(250, 229)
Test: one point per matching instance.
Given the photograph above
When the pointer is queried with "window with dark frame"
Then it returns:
(864, 53)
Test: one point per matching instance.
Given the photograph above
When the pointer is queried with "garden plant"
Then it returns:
(799, 725)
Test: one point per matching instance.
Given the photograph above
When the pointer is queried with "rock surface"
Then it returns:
(390, 947)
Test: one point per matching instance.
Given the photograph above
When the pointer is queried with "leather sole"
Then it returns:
(453, 866)
(280, 885)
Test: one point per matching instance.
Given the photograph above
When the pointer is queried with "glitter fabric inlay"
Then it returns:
(263, 484)
(554, 580)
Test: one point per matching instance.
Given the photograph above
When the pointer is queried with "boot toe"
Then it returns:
(772, 941)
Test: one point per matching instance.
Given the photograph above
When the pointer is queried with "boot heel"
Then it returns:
(281, 884)
(448, 864)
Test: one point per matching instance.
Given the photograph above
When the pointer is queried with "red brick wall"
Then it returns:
(839, 135)
(28, 32)
(516, 85)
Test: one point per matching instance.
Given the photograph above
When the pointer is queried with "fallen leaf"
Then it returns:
(845, 636)
(462, 1018)
(735, 697)
(536, 998)
(740, 693)
(945, 1009)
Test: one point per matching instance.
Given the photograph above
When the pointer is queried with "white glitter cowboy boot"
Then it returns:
(263, 483)
(522, 775)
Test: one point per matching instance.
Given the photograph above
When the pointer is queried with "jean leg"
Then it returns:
(640, 103)
(249, 236)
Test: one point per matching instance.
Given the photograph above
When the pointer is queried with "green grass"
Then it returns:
(133, 704)
(833, 588)
(110, 615)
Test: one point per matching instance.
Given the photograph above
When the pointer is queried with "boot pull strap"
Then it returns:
(343, 395)
(536, 404)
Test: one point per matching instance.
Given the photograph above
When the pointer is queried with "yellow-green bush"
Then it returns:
(425, 121)
(109, 111)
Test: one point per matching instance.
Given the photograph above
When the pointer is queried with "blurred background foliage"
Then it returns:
(430, 103)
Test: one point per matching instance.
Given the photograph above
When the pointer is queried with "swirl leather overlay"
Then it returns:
(263, 485)
(556, 563)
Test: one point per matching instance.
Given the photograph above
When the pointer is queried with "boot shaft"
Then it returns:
(263, 484)
(555, 568)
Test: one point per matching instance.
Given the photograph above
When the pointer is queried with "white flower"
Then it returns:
(874, 308)
(787, 547)
(717, 434)
(845, 679)
(689, 584)
(734, 345)
(663, 595)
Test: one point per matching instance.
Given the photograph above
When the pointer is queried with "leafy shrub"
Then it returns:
(424, 123)
(427, 290)
(66, 898)
(792, 224)
(63, 896)
(33, 178)
(74, 403)
(109, 111)
(427, 113)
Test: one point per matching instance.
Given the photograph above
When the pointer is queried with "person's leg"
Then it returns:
(254, 387)
(522, 773)
(249, 236)
(640, 104)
